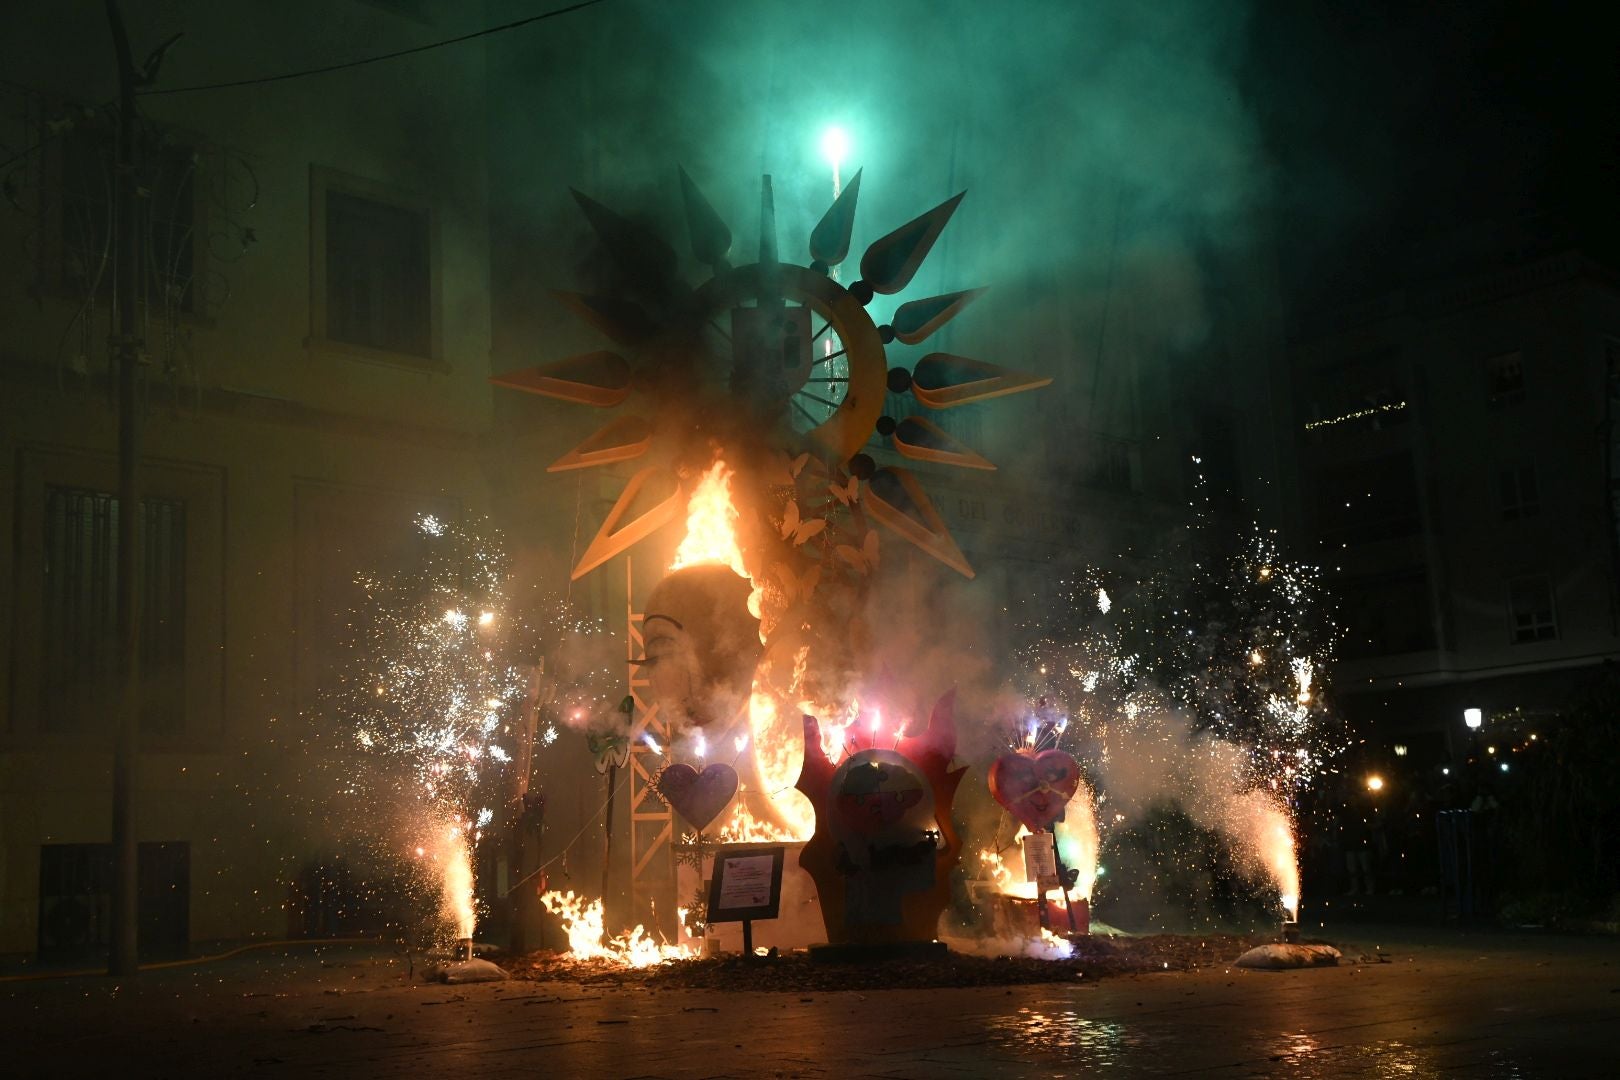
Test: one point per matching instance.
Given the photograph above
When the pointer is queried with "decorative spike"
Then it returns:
(895, 499)
(711, 238)
(767, 222)
(599, 379)
(916, 319)
(613, 539)
(890, 263)
(623, 439)
(623, 322)
(770, 277)
(943, 380)
(829, 241)
(923, 440)
(938, 739)
(640, 252)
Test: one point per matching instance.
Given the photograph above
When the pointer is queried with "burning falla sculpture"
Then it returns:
(733, 378)
(884, 845)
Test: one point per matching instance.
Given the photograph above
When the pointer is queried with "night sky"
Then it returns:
(1394, 124)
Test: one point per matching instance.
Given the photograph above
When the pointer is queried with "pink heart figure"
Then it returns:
(1035, 788)
(698, 796)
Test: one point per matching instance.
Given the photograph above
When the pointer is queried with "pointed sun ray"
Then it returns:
(711, 237)
(614, 538)
(829, 242)
(890, 262)
(622, 439)
(598, 379)
(943, 380)
(639, 252)
(623, 322)
(923, 440)
(896, 501)
(916, 319)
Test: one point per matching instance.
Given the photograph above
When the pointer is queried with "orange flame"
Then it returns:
(711, 523)
(711, 530)
(582, 922)
(745, 828)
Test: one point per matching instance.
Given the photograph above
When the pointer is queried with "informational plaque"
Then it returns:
(747, 883)
(1040, 860)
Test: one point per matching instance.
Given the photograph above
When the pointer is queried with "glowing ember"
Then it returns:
(745, 828)
(587, 940)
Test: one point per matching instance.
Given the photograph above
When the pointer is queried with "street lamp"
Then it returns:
(1473, 718)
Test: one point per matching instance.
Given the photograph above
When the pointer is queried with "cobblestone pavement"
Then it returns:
(1471, 1006)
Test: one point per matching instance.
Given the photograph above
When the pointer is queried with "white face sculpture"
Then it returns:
(701, 644)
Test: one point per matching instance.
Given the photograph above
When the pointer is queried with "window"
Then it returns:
(375, 271)
(166, 216)
(1530, 609)
(1387, 614)
(75, 908)
(1516, 486)
(1504, 379)
(1112, 465)
(79, 645)
(1366, 501)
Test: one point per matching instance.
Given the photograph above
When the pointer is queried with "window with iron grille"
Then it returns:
(378, 274)
(79, 649)
(1504, 379)
(1516, 486)
(1530, 609)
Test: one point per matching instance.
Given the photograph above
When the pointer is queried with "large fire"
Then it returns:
(711, 524)
(1078, 843)
(773, 737)
(582, 921)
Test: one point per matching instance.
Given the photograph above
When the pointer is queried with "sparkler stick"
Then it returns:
(1063, 881)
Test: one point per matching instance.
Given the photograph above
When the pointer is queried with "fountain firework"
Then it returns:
(1203, 692)
(438, 692)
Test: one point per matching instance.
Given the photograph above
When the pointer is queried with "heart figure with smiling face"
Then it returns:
(1035, 788)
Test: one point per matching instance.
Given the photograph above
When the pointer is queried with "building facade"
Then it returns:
(316, 339)
(1456, 448)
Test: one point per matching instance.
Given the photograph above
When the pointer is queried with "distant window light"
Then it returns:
(1504, 379)
(1530, 609)
(1520, 497)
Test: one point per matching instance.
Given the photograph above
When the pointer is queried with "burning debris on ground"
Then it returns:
(1092, 957)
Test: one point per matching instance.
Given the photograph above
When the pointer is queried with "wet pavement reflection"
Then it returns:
(1066, 1036)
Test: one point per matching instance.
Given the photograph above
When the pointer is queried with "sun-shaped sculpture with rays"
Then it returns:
(779, 368)
(751, 399)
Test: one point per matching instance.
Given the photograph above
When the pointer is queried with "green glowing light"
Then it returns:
(835, 145)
